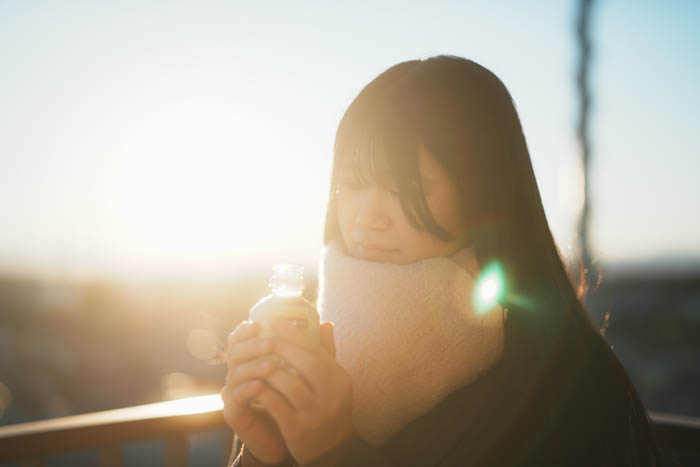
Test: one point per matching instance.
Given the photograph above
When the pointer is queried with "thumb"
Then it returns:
(327, 340)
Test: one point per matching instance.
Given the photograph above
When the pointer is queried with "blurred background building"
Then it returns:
(155, 159)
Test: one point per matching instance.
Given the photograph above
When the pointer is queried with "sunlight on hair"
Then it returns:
(490, 287)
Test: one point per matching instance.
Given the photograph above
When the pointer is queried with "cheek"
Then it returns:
(345, 214)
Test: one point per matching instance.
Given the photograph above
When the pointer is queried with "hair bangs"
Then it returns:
(378, 151)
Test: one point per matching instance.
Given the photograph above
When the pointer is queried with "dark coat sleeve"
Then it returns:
(351, 453)
(246, 459)
(354, 451)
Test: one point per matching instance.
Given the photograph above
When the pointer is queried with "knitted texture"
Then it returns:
(408, 335)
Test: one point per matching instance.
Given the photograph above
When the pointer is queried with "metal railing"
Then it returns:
(33, 442)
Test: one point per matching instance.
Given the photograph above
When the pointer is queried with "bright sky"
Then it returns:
(193, 139)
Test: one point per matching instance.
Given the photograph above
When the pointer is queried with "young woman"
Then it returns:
(451, 334)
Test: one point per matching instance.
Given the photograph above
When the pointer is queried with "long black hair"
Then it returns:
(569, 398)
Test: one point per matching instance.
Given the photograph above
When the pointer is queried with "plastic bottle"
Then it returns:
(287, 283)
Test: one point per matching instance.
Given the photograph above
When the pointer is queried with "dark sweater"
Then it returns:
(450, 434)
(569, 415)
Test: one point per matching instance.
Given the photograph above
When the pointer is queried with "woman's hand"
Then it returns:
(312, 401)
(255, 428)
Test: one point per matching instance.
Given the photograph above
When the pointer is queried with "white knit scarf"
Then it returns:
(408, 335)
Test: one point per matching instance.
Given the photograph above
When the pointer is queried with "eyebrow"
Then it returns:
(354, 168)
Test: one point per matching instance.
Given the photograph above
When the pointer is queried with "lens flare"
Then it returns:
(201, 344)
(490, 287)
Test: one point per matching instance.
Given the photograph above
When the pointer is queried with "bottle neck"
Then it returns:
(287, 291)
(287, 280)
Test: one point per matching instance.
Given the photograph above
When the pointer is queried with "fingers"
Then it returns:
(249, 350)
(237, 399)
(254, 369)
(281, 411)
(244, 331)
(311, 366)
(299, 351)
(242, 394)
(293, 388)
(296, 336)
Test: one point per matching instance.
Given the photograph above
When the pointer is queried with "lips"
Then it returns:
(370, 246)
(372, 252)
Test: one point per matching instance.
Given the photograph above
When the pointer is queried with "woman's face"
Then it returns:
(374, 227)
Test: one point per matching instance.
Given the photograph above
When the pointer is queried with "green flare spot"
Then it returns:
(490, 287)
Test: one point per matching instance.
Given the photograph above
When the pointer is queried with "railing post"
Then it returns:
(176, 451)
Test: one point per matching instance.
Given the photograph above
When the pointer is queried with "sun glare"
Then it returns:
(197, 184)
(190, 405)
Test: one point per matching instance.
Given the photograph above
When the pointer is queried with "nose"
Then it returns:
(372, 213)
